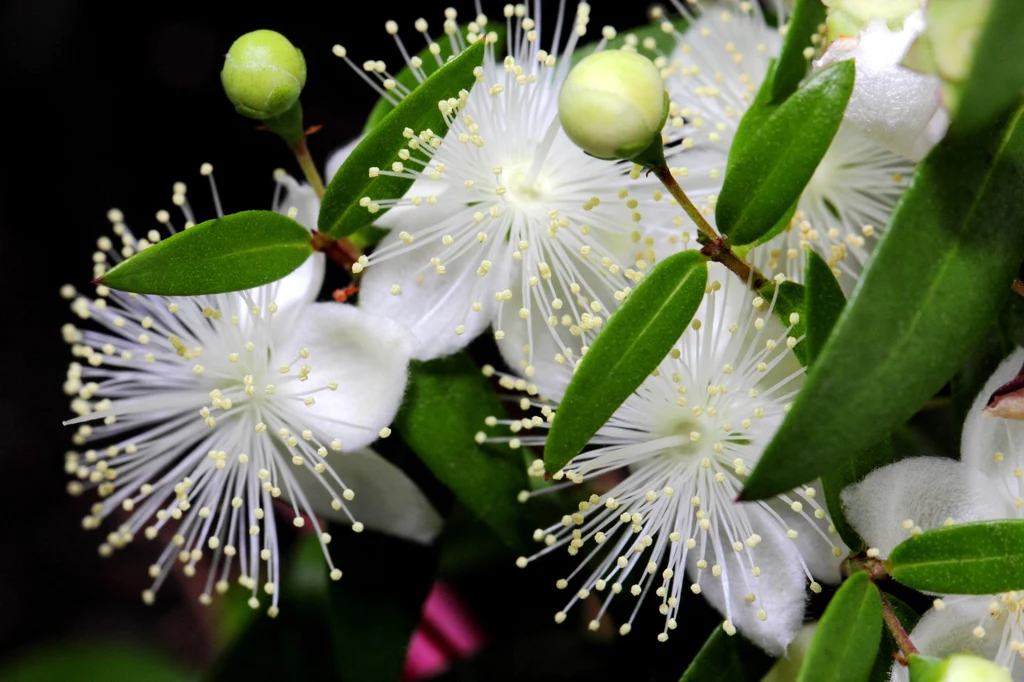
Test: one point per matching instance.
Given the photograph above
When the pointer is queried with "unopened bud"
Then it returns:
(956, 668)
(263, 74)
(613, 104)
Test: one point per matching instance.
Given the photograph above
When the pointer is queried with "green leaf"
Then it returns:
(825, 301)
(792, 65)
(936, 280)
(997, 344)
(733, 658)
(446, 405)
(908, 618)
(110, 662)
(780, 226)
(995, 81)
(848, 635)
(236, 252)
(340, 212)
(984, 557)
(632, 344)
(791, 299)
(431, 63)
(767, 175)
(372, 614)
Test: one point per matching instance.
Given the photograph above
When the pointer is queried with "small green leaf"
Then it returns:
(971, 558)
(792, 65)
(767, 175)
(791, 299)
(848, 635)
(733, 658)
(446, 405)
(632, 344)
(236, 252)
(340, 212)
(825, 301)
(110, 662)
(937, 279)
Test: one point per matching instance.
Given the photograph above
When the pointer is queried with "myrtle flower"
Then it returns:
(682, 446)
(506, 207)
(196, 413)
(894, 106)
(717, 67)
(898, 500)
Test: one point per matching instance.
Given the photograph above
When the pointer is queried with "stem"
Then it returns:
(665, 175)
(715, 246)
(341, 251)
(896, 628)
(301, 152)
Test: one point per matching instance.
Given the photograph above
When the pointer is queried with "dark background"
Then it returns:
(108, 104)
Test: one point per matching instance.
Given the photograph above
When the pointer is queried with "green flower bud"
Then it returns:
(613, 104)
(263, 74)
(956, 668)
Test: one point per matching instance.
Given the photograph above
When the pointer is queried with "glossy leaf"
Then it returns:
(995, 81)
(725, 657)
(107, 661)
(848, 635)
(985, 557)
(825, 301)
(936, 280)
(632, 344)
(340, 212)
(778, 157)
(236, 252)
(446, 405)
(792, 65)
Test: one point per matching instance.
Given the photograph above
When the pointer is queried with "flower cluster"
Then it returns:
(570, 169)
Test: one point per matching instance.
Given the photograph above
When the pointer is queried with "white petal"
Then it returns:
(925, 490)
(985, 435)
(302, 285)
(368, 356)
(386, 500)
(951, 630)
(780, 590)
(338, 157)
(813, 541)
(897, 107)
(432, 308)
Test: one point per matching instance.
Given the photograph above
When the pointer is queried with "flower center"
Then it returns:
(523, 189)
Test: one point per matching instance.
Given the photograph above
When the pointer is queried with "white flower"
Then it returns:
(927, 492)
(713, 75)
(508, 207)
(894, 106)
(196, 413)
(682, 446)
